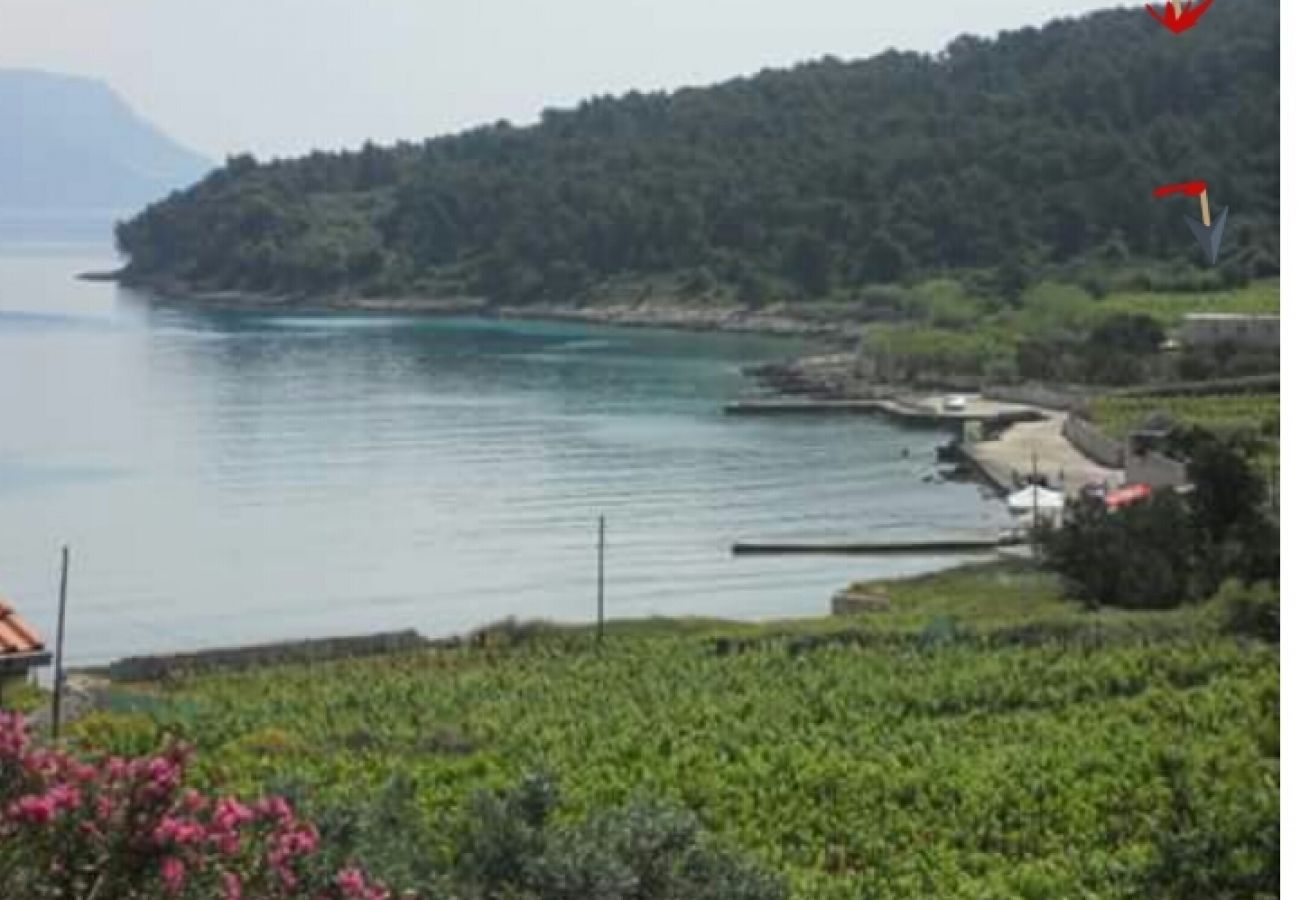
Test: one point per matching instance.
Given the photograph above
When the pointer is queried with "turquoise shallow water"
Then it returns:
(235, 478)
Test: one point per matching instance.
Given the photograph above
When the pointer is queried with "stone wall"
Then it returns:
(1207, 330)
(1093, 443)
(1066, 399)
(1245, 384)
(152, 668)
(1154, 469)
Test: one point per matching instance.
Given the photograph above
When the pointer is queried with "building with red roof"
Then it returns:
(21, 648)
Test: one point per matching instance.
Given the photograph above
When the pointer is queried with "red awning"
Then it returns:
(1129, 494)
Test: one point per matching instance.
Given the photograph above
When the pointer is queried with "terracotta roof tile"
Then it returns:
(16, 636)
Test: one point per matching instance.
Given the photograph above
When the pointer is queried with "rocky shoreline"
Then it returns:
(656, 312)
(834, 371)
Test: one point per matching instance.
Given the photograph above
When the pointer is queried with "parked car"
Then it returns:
(954, 403)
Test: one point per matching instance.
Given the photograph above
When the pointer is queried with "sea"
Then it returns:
(229, 478)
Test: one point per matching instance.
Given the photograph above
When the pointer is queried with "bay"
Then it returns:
(233, 478)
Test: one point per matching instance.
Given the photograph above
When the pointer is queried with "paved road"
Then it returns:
(1015, 449)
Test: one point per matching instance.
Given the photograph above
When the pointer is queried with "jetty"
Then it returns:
(985, 544)
(1004, 463)
(1000, 442)
(920, 410)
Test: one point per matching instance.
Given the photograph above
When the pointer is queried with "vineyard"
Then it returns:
(1262, 297)
(1256, 414)
(983, 739)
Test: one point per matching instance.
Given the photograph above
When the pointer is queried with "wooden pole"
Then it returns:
(1205, 208)
(600, 581)
(57, 701)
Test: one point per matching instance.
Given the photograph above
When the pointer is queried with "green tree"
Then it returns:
(1131, 333)
(977, 160)
(1237, 537)
(807, 263)
(884, 259)
(1139, 557)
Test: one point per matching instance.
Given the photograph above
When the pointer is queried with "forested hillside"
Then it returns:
(1031, 153)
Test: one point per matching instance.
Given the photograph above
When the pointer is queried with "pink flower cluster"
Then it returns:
(72, 824)
(353, 885)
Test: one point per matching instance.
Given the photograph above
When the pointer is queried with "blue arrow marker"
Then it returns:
(1208, 234)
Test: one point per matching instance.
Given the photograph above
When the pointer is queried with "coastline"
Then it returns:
(656, 312)
(831, 374)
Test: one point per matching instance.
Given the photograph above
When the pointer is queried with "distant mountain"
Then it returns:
(70, 146)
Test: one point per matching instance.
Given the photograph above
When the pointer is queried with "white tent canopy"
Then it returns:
(1035, 496)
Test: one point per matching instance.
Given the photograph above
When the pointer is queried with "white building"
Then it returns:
(1208, 329)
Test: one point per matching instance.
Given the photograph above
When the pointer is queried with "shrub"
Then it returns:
(119, 734)
(1250, 610)
(114, 827)
(1138, 557)
(513, 847)
(1163, 552)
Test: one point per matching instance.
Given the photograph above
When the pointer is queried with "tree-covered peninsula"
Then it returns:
(1000, 161)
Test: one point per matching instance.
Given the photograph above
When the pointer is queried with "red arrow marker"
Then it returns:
(1186, 188)
(1178, 20)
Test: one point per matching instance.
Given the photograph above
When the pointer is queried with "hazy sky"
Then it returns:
(280, 77)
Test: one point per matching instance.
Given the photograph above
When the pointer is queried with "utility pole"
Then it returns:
(1033, 482)
(58, 649)
(600, 581)
(1033, 486)
(1273, 489)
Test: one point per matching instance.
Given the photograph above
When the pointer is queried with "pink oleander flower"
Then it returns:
(141, 805)
(81, 772)
(227, 843)
(301, 841)
(164, 774)
(193, 802)
(350, 881)
(33, 809)
(64, 798)
(116, 768)
(173, 874)
(178, 832)
(13, 735)
(230, 814)
(287, 877)
(43, 763)
(274, 808)
(354, 886)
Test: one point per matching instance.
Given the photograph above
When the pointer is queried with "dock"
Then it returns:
(928, 411)
(988, 544)
(1005, 463)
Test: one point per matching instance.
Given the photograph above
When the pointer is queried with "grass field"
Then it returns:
(984, 738)
(1256, 414)
(950, 330)
(1258, 298)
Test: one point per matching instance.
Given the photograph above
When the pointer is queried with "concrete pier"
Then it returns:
(986, 544)
(921, 410)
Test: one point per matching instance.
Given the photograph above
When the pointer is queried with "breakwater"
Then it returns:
(927, 413)
(949, 545)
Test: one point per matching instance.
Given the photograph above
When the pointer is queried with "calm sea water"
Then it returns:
(233, 478)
